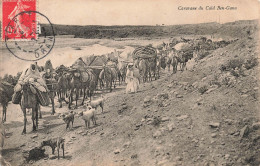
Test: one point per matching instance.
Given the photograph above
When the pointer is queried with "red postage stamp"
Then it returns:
(18, 23)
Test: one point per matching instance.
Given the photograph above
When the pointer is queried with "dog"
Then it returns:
(53, 143)
(88, 115)
(97, 102)
(68, 118)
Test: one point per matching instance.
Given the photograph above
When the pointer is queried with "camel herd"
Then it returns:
(68, 84)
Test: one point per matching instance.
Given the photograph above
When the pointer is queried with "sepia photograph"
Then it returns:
(129, 82)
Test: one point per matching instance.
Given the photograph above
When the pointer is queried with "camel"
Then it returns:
(6, 92)
(152, 62)
(50, 82)
(122, 71)
(75, 84)
(88, 83)
(29, 100)
(171, 59)
(62, 88)
(143, 69)
(107, 75)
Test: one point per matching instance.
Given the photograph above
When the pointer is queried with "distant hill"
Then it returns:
(235, 29)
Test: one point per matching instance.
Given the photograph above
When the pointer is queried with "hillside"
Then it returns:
(238, 29)
(207, 115)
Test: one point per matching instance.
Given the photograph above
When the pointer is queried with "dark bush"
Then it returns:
(203, 55)
(234, 73)
(156, 121)
(223, 68)
(203, 89)
(250, 63)
(234, 63)
(226, 81)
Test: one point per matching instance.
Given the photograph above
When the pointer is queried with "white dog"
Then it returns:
(97, 102)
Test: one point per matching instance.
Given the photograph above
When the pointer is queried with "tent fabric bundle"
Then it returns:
(86, 75)
(144, 52)
(61, 69)
(16, 98)
(43, 98)
(182, 46)
(89, 61)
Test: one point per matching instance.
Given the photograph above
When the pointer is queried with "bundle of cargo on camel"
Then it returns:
(144, 52)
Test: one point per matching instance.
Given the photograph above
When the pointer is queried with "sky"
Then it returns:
(145, 12)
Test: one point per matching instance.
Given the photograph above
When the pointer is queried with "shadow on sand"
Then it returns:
(13, 124)
(10, 150)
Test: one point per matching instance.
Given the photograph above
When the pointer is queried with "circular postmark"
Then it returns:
(26, 39)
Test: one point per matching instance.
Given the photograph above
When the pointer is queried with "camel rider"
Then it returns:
(31, 75)
(48, 75)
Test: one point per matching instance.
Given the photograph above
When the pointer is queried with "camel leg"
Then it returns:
(40, 112)
(33, 119)
(110, 86)
(60, 101)
(52, 104)
(70, 98)
(77, 97)
(102, 107)
(65, 95)
(63, 149)
(58, 149)
(4, 113)
(24, 120)
(119, 77)
(84, 95)
(36, 111)
(60, 95)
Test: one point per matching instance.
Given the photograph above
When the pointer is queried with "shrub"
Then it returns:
(250, 63)
(223, 68)
(203, 55)
(77, 48)
(156, 121)
(213, 107)
(226, 81)
(203, 89)
(234, 73)
(234, 63)
(215, 81)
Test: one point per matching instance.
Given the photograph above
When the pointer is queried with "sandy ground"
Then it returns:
(168, 122)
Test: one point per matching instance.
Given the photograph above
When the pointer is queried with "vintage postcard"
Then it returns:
(129, 82)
